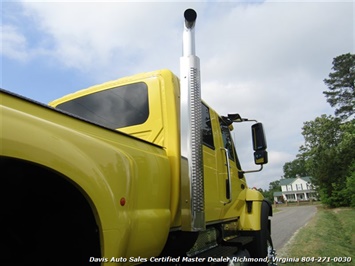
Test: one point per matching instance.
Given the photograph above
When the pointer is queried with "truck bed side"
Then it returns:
(106, 167)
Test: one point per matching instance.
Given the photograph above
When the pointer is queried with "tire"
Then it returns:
(262, 245)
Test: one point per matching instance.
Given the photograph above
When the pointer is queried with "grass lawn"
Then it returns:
(329, 238)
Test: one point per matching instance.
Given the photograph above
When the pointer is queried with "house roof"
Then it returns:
(288, 181)
(277, 194)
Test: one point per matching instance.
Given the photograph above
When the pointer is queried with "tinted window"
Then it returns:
(227, 139)
(228, 143)
(113, 108)
(207, 127)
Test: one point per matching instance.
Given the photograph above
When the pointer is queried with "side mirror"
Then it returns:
(260, 157)
(259, 144)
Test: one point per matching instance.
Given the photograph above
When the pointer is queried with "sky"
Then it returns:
(265, 60)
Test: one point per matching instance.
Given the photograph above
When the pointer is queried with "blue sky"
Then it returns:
(264, 59)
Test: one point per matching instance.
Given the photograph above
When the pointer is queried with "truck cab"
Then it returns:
(134, 170)
(147, 106)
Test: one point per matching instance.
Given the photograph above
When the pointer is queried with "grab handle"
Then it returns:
(229, 180)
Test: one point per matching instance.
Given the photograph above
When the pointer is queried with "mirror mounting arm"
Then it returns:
(251, 171)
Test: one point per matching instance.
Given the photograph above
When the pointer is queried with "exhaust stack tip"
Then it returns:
(190, 18)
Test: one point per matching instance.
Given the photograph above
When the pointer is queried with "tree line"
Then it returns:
(328, 152)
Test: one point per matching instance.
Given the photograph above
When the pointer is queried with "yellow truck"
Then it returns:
(135, 170)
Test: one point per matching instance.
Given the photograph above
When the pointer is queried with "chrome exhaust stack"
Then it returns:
(193, 202)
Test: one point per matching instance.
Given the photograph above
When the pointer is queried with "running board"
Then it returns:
(224, 254)
(239, 241)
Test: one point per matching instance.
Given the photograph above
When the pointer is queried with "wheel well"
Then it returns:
(44, 214)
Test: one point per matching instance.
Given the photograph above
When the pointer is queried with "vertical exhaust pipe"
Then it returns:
(193, 213)
(190, 16)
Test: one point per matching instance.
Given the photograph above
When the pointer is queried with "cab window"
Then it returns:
(114, 108)
(207, 135)
(227, 139)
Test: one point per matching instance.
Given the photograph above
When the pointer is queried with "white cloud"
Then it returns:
(113, 37)
(265, 60)
(268, 62)
(13, 43)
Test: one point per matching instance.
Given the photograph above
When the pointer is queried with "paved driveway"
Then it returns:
(287, 221)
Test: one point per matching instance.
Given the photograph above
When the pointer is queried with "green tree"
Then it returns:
(350, 186)
(347, 151)
(341, 85)
(273, 187)
(328, 152)
(295, 167)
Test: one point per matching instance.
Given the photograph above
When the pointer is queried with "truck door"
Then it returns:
(217, 145)
(227, 165)
(212, 202)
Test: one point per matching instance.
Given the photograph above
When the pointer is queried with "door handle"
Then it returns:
(229, 181)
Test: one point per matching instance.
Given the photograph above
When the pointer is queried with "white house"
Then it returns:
(296, 189)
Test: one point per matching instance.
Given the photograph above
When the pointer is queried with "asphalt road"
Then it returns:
(287, 221)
